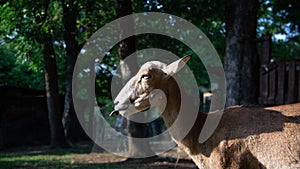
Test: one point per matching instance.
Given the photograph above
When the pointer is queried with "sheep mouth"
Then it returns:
(123, 112)
(114, 113)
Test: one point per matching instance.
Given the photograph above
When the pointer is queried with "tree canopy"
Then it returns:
(20, 52)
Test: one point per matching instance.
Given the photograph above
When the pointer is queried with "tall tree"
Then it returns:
(33, 24)
(128, 68)
(241, 59)
(70, 13)
(45, 38)
(55, 114)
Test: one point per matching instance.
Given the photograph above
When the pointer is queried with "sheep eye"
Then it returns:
(146, 77)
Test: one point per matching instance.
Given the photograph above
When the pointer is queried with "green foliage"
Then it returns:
(92, 16)
(287, 13)
(286, 49)
(15, 71)
(104, 73)
(206, 14)
(21, 23)
(281, 18)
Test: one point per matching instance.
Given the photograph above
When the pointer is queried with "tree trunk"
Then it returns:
(55, 114)
(70, 13)
(241, 60)
(44, 38)
(129, 67)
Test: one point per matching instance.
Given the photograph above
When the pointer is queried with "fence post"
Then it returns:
(280, 87)
(291, 82)
(264, 76)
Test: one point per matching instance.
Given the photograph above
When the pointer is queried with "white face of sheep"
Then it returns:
(144, 89)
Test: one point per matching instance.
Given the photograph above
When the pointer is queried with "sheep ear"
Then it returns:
(176, 66)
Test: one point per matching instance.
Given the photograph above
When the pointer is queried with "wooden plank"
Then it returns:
(263, 87)
(291, 82)
(266, 49)
(280, 84)
(272, 87)
(264, 74)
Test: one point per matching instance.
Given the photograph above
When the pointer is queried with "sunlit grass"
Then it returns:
(82, 155)
(50, 160)
(37, 161)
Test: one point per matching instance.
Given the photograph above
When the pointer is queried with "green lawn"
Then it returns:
(43, 158)
(81, 156)
(47, 161)
(15, 160)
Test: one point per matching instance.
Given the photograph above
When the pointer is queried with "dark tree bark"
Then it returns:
(128, 68)
(55, 114)
(241, 60)
(45, 38)
(70, 13)
(127, 46)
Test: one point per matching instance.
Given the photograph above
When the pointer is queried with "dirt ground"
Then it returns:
(158, 162)
(174, 158)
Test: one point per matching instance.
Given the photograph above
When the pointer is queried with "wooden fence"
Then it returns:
(279, 80)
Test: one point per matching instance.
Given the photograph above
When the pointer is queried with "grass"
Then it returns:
(47, 161)
(36, 161)
(80, 157)
(43, 158)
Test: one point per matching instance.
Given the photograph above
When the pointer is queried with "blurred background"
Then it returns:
(257, 41)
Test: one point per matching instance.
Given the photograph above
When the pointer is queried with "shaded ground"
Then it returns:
(80, 156)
